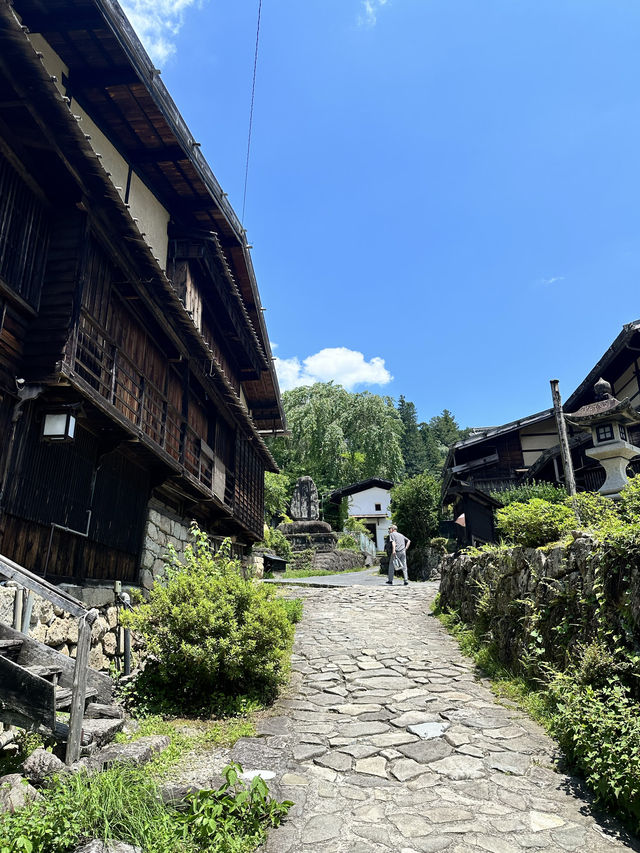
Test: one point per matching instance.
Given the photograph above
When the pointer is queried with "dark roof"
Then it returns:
(362, 486)
(482, 433)
(113, 78)
(585, 388)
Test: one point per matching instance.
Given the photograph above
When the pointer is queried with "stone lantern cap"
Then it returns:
(605, 408)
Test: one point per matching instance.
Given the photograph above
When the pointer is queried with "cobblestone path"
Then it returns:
(387, 741)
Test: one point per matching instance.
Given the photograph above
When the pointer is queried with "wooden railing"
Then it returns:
(115, 377)
(59, 598)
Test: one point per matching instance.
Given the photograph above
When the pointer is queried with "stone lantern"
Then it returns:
(609, 419)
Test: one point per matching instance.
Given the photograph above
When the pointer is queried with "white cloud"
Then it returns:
(551, 280)
(157, 23)
(369, 14)
(344, 366)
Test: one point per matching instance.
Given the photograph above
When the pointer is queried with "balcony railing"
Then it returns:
(114, 376)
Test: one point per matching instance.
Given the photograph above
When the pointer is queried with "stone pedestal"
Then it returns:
(614, 458)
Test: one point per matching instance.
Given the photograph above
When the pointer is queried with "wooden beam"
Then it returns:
(103, 78)
(145, 156)
(28, 694)
(13, 571)
(43, 22)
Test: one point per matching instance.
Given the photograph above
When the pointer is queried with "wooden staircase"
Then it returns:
(36, 682)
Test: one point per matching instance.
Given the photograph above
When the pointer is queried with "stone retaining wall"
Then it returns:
(511, 593)
(164, 528)
(52, 626)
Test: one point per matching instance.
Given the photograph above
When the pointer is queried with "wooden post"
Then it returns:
(79, 687)
(27, 610)
(569, 478)
(18, 599)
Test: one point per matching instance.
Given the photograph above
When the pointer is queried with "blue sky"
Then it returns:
(444, 195)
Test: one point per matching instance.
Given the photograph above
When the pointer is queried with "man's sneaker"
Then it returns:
(390, 583)
(406, 583)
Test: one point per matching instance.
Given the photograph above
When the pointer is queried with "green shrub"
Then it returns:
(347, 543)
(629, 503)
(210, 632)
(534, 523)
(599, 730)
(293, 608)
(356, 525)
(275, 540)
(416, 508)
(594, 510)
(521, 494)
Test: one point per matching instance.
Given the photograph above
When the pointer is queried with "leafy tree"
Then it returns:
(415, 505)
(277, 493)
(414, 450)
(339, 437)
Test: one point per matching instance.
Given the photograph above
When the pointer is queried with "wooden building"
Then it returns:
(495, 458)
(135, 365)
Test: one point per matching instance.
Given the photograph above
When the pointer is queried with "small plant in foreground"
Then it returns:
(213, 818)
(123, 804)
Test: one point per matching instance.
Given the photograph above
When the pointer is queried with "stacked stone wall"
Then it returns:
(164, 528)
(504, 591)
(54, 627)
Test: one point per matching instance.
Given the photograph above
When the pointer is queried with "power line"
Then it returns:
(253, 94)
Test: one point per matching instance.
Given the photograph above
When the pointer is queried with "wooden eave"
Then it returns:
(112, 77)
(66, 139)
(608, 365)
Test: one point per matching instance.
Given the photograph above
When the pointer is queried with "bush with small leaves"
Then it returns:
(346, 542)
(594, 510)
(599, 730)
(527, 491)
(209, 631)
(629, 503)
(534, 523)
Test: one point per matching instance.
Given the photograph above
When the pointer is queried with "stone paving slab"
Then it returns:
(387, 741)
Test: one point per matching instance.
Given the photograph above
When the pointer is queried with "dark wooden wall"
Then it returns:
(72, 485)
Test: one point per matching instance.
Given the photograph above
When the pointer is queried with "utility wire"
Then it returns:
(253, 94)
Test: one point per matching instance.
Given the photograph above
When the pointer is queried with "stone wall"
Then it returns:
(164, 528)
(423, 564)
(553, 599)
(52, 626)
(340, 561)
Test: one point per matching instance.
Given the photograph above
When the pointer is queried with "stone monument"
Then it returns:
(306, 530)
(305, 505)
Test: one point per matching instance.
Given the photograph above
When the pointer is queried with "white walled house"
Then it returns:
(369, 501)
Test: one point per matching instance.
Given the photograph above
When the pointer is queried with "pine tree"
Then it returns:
(413, 448)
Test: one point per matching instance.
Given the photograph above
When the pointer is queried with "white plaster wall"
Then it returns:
(50, 59)
(111, 160)
(364, 503)
(152, 217)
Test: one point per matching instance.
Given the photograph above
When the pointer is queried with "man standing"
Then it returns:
(398, 556)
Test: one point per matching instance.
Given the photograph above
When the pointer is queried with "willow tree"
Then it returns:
(339, 437)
